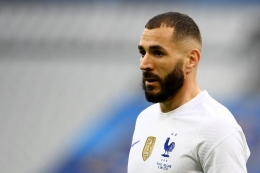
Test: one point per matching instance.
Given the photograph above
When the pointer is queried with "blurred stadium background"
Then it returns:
(70, 86)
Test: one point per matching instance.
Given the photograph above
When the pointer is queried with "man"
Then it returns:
(186, 130)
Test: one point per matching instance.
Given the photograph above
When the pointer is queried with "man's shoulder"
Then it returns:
(150, 112)
(208, 110)
(150, 109)
(216, 120)
(216, 112)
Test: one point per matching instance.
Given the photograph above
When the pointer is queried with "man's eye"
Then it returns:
(142, 53)
(158, 53)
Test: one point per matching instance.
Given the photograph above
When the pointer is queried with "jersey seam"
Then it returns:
(201, 125)
(217, 145)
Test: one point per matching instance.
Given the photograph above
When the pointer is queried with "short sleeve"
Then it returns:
(229, 156)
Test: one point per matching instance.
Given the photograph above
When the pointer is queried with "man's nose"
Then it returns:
(146, 63)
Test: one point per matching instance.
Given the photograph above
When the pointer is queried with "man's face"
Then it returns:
(161, 63)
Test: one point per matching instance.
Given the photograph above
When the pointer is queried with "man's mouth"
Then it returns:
(150, 78)
(150, 81)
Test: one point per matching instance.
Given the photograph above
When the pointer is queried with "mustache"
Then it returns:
(150, 75)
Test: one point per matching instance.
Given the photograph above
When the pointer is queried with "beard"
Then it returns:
(169, 86)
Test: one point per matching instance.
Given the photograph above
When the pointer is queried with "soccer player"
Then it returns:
(186, 130)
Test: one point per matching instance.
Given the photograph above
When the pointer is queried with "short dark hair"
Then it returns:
(184, 26)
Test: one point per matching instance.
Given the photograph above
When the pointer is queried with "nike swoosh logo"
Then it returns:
(135, 143)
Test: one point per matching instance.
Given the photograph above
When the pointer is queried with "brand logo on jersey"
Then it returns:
(168, 147)
(148, 147)
(133, 144)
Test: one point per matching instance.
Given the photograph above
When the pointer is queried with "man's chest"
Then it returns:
(164, 148)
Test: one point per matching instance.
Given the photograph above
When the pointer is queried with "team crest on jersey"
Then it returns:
(168, 147)
(148, 147)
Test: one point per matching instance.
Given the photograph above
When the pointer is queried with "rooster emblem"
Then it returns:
(168, 147)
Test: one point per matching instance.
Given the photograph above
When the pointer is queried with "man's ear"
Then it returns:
(193, 60)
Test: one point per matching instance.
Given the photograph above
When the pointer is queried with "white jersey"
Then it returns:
(199, 136)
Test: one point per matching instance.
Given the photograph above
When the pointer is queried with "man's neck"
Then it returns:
(185, 94)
